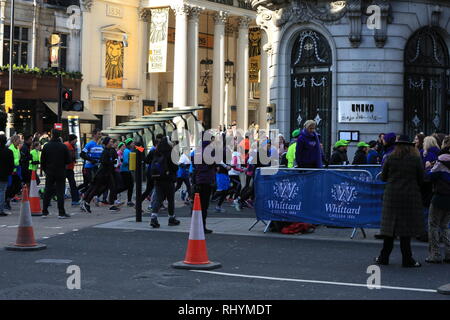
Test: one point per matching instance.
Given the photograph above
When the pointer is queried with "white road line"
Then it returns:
(313, 281)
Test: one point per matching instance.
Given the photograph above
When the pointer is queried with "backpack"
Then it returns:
(158, 166)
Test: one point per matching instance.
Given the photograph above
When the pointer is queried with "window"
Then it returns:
(62, 52)
(20, 48)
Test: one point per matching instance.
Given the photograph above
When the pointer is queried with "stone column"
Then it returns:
(263, 87)
(242, 74)
(218, 76)
(192, 66)
(180, 56)
(2, 28)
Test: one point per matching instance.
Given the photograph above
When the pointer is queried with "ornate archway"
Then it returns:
(311, 76)
(426, 83)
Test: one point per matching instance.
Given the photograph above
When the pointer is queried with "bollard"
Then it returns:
(132, 161)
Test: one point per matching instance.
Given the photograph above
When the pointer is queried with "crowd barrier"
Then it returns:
(333, 197)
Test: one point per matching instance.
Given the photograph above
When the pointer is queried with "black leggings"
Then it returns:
(128, 184)
(99, 186)
(149, 188)
(164, 190)
(187, 184)
(405, 247)
(222, 195)
(205, 194)
(236, 186)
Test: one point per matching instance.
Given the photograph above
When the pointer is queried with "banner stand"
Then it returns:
(267, 224)
(355, 230)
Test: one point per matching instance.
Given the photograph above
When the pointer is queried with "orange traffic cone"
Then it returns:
(35, 199)
(196, 254)
(25, 234)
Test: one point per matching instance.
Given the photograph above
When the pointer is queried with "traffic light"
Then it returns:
(66, 99)
(68, 104)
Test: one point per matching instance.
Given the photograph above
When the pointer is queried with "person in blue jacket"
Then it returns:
(125, 172)
(308, 153)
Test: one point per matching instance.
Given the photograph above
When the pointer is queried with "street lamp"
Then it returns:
(205, 72)
(10, 115)
(229, 70)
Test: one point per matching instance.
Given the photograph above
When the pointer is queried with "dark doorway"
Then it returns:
(426, 84)
(311, 77)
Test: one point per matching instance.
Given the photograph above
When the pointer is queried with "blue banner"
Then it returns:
(326, 197)
(372, 168)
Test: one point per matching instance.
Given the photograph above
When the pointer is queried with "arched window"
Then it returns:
(426, 83)
(311, 76)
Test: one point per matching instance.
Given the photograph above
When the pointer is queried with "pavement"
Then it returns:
(120, 258)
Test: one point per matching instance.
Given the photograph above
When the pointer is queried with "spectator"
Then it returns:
(445, 148)
(71, 145)
(25, 158)
(373, 157)
(339, 156)
(388, 145)
(15, 185)
(164, 174)
(6, 170)
(361, 153)
(402, 204)
(439, 216)
(290, 156)
(35, 160)
(430, 151)
(54, 159)
(418, 141)
(380, 144)
(308, 153)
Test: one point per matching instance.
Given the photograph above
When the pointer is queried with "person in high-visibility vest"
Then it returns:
(290, 156)
(35, 159)
(14, 185)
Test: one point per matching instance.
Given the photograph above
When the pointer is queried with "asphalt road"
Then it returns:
(129, 264)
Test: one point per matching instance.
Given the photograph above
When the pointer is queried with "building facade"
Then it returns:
(358, 67)
(35, 82)
(214, 59)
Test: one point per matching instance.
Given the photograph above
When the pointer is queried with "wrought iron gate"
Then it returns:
(311, 84)
(426, 84)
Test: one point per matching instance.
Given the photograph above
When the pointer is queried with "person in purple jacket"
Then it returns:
(430, 151)
(308, 153)
(389, 145)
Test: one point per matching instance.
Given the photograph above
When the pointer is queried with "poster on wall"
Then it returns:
(254, 63)
(157, 53)
(114, 64)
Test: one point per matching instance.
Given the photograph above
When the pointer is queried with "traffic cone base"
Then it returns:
(209, 266)
(38, 246)
(196, 254)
